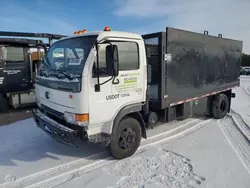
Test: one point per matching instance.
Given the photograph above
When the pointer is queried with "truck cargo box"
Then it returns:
(187, 65)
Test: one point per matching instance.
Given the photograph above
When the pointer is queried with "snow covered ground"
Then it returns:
(193, 153)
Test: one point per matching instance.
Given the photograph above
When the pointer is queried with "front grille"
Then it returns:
(52, 112)
(58, 117)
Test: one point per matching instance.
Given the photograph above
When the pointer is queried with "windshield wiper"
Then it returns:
(51, 69)
(67, 75)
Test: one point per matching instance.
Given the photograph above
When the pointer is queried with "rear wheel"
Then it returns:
(126, 138)
(152, 119)
(220, 106)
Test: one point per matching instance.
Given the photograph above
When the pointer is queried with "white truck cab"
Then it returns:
(90, 91)
(109, 86)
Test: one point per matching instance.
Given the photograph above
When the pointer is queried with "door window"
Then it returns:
(11, 54)
(128, 54)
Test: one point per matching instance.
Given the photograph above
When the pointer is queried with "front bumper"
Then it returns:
(56, 130)
(64, 134)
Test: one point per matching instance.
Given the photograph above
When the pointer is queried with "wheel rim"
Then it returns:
(127, 138)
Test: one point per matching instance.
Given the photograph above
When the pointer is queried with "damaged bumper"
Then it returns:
(57, 131)
(64, 134)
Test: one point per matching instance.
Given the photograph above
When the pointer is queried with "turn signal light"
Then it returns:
(82, 117)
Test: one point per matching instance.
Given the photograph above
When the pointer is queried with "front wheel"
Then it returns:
(126, 138)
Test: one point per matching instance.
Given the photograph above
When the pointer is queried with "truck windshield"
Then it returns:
(67, 57)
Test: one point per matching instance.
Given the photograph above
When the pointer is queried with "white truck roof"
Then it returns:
(102, 34)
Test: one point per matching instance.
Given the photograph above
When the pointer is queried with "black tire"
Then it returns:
(126, 138)
(220, 106)
(152, 119)
(4, 106)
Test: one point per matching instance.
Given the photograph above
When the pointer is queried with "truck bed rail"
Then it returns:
(49, 36)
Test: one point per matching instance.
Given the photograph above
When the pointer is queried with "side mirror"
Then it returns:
(112, 60)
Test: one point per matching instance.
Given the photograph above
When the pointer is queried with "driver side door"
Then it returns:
(124, 90)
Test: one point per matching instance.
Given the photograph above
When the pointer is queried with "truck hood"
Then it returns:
(60, 101)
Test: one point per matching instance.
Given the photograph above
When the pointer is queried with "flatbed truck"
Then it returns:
(109, 87)
(20, 55)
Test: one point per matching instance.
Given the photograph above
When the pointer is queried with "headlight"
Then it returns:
(77, 119)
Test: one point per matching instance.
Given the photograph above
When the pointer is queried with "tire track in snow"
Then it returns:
(246, 90)
(63, 178)
(236, 140)
(245, 87)
(241, 124)
(48, 173)
(66, 172)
